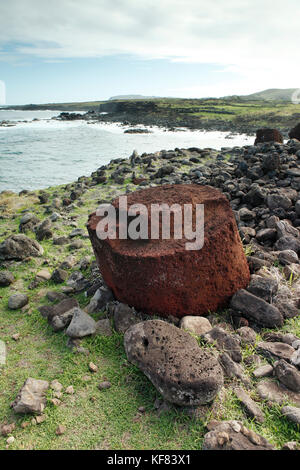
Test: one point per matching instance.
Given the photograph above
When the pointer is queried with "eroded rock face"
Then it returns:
(181, 371)
(159, 276)
(268, 135)
(19, 247)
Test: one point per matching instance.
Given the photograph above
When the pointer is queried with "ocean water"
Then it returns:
(43, 153)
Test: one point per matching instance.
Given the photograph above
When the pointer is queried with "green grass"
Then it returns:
(236, 111)
(95, 419)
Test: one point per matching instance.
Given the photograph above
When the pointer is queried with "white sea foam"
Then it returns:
(48, 152)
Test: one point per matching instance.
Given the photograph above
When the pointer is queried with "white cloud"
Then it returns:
(257, 40)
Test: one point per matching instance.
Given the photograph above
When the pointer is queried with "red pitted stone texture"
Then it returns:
(268, 135)
(295, 132)
(161, 276)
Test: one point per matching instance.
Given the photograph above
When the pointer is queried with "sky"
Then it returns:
(75, 50)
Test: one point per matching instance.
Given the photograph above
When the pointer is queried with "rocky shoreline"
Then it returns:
(253, 344)
(169, 123)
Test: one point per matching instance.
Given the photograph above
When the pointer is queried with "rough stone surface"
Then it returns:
(197, 325)
(263, 287)
(59, 275)
(256, 309)
(295, 358)
(292, 413)
(275, 350)
(263, 371)
(81, 325)
(181, 371)
(124, 317)
(295, 132)
(61, 321)
(161, 276)
(31, 398)
(232, 435)
(50, 311)
(269, 390)
(233, 369)
(247, 335)
(225, 342)
(291, 445)
(6, 278)
(19, 247)
(268, 135)
(16, 301)
(43, 275)
(288, 243)
(288, 375)
(103, 327)
(102, 296)
(288, 257)
(252, 409)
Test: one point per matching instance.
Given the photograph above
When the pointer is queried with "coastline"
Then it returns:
(262, 185)
(211, 114)
(49, 152)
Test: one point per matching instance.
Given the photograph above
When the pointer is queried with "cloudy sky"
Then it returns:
(78, 50)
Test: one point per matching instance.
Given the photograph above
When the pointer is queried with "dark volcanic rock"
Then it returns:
(102, 296)
(59, 275)
(43, 231)
(288, 375)
(124, 317)
(252, 409)
(265, 288)
(256, 309)
(268, 135)
(28, 222)
(288, 243)
(292, 413)
(16, 301)
(161, 275)
(233, 369)
(225, 342)
(19, 247)
(81, 325)
(295, 132)
(275, 350)
(182, 372)
(60, 315)
(6, 278)
(271, 390)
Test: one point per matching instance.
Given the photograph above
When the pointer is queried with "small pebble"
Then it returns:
(104, 385)
(10, 440)
(93, 367)
(7, 429)
(16, 336)
(40, 419)
(55, 401)
(56, 386)
(60, 430)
